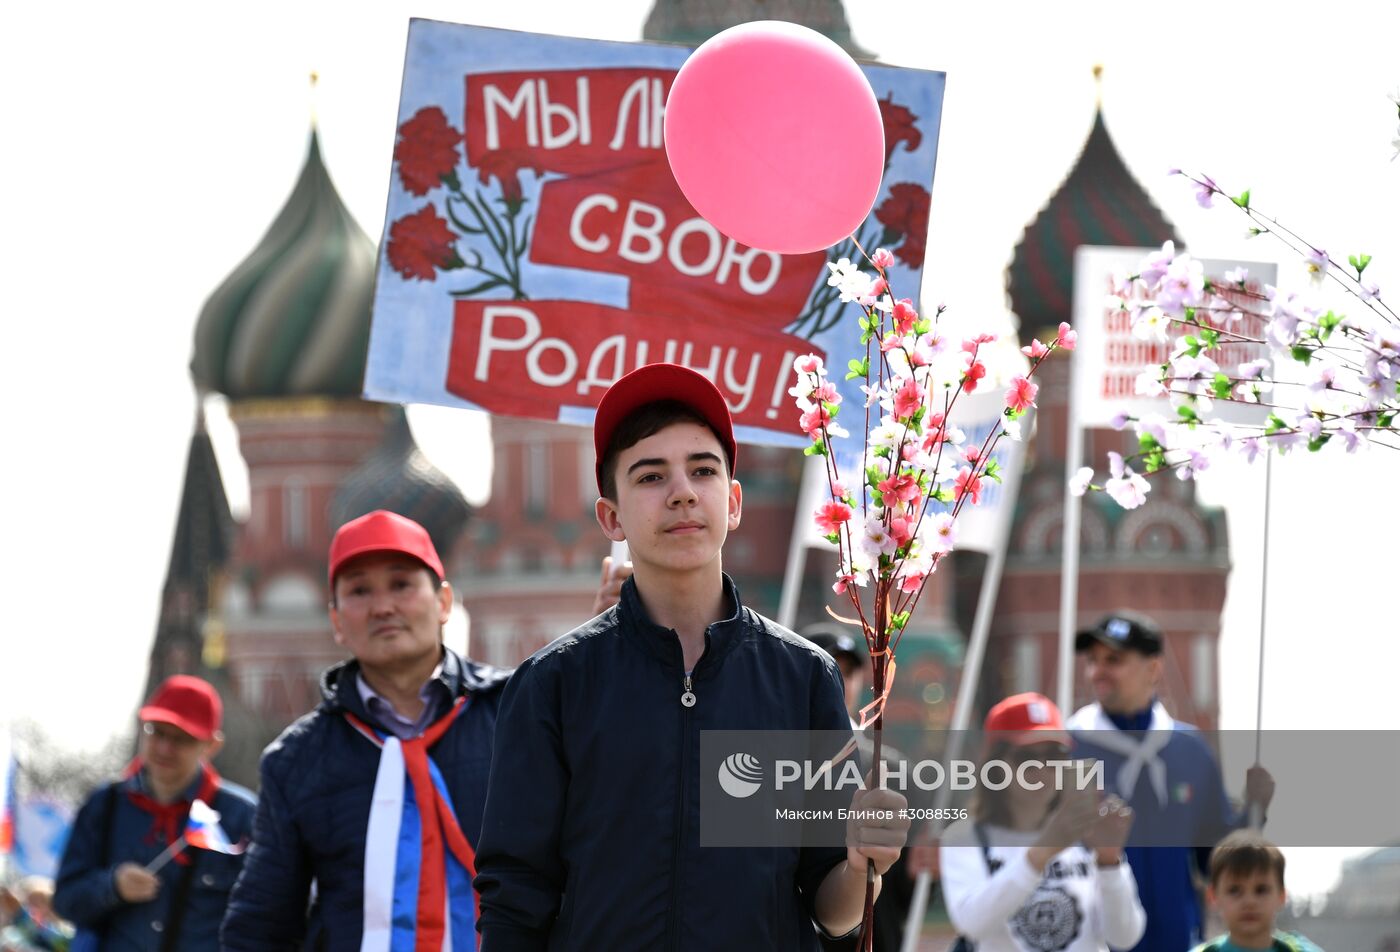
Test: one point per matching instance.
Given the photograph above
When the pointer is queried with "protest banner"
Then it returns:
(536, 246)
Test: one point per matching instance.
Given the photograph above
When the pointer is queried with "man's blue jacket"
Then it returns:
(85, 892)
(314, 804)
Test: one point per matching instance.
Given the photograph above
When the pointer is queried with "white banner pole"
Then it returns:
(812, 488)
(792, 578)
(1069, 573)
(619, 554)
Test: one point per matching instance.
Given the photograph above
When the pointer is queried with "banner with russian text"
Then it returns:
(536, 246)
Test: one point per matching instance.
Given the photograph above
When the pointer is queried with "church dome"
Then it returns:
(1099, 203)
(692, 23)
(398, 477)
(293, 318)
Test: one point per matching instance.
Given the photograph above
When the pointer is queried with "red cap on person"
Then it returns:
(1025, 719)
(188, 703)
(656, 382)
(383, 531)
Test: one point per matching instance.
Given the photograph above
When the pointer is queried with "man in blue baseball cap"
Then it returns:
(1160, 767)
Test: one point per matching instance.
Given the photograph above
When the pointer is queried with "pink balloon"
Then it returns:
(774, 135)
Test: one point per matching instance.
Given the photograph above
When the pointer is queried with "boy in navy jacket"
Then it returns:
(591, 834)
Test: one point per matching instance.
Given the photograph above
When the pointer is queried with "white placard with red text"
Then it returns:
(1108, 358)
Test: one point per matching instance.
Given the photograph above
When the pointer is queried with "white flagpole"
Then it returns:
(170, 852)
(967, 682)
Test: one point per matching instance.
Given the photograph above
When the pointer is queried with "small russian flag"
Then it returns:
(203, 830)
(7, 795)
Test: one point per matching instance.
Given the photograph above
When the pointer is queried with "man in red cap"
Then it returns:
(104, 884)
(376, 795)
(591, 834)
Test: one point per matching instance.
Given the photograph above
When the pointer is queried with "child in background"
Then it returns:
(1246, 887)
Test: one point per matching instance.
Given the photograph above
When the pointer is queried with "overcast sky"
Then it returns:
(148, 146)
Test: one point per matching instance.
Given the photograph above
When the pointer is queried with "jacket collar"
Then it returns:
(339, 691)
(664, 644)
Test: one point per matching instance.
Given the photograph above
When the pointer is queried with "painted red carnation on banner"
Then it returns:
(899, 127)
(905, 213)
(504, 166)
(421, 243)
(427, 151)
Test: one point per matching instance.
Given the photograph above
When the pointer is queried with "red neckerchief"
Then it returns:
(168, 819)
(439, 826)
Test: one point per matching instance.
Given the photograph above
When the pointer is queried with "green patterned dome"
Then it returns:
(692, 22)
(1099, 203)
(293, 318)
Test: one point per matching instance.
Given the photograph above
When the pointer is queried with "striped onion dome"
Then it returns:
(398, 477)
(692, 22)
(293, 318)
(1100, 203)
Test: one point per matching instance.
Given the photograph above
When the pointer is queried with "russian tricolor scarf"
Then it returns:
(418, 864)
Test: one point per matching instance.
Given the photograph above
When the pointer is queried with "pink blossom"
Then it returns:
(1127, 488)
(877, 540)
(1035, 349)
(1346, 432)
(882, 258)
(808, 364)
(901, 488)
(901, 528)
(830, 516)
(974, 372)
(839, 490)
(1154, 266)
(1079, 483)
(1183, 287)
(905, 317)
(940, 535)
(814, 420)
(908, 399)
(826, 393)
(910, 582)
(1195, 462)
(968, 484)
(1067, 337)
(842, 583)
(1149, 384)
(1206, 192)
(1021, 395)
(1317, 264)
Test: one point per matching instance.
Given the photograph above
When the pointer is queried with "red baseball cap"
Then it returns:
(188, 703)
(662, 382)
(383, 531)
(1025, 719)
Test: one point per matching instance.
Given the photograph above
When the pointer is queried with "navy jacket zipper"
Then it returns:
(687, 694)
